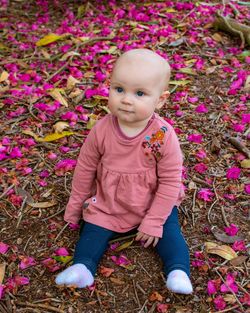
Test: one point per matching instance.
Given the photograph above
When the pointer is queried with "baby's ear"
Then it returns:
(163, 99)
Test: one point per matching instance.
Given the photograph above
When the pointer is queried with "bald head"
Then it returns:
(144, 59)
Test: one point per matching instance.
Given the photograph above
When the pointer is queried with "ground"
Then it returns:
(62, 82)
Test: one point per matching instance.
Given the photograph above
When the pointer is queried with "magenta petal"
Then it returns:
(211, 289)
(62, 252)
(21, 280)
(3, 248)
(1, 291)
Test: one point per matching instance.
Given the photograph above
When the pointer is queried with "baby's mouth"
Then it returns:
(126, 111)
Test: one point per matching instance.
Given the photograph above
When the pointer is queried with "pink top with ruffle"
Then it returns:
(127, 182)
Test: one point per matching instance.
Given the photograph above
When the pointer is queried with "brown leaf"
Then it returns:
(2, 271)
(4, 76)
(215, 145)
(225, 238)
(60, 126)
(155, 296)
(238, 260)
(117, 281)
(223, 251)
(56, 94)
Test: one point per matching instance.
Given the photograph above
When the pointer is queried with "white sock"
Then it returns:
(76, 275)
(179, 282)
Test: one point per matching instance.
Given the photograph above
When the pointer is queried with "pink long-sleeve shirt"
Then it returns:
(127, 182)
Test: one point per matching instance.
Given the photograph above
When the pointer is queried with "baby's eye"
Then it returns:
(140, 93)
(119, 89)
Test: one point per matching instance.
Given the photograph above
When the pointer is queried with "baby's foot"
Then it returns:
(77, 275)
(179, 282)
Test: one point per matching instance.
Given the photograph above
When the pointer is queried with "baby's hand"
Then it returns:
(148, 239)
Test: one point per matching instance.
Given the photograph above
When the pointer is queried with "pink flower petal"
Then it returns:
(3, 248)
(2, 287)
(62, 252)
(232, 230)
(27, 262)
(233, 173)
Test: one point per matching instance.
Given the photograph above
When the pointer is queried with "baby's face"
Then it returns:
(136, 90)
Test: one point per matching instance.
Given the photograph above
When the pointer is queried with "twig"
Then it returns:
(41, 306)
(21, 211)
(190, 12)
(136, 294)
(144, 269)
(26, 245)
(53, 215)
(239, 146)
(210, 209)
(142, 308)
(193, 205)
(227, 310)
(61, 231)
(221, 207)
(200, 181)
(230, 289)
(6, 191)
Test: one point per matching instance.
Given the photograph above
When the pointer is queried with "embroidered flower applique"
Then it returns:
(153, 143)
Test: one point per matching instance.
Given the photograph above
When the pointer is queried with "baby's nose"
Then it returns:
(127, 99)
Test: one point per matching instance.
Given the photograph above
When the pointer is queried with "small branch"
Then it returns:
(239, 146)
(200, 181)
(61, 231)
(193, 205)
(41, 306)
(230, 290)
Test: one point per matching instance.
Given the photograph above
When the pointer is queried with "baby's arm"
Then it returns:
(83, 178)
(169, 170)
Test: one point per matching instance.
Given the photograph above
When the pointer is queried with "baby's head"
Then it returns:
(139, 85)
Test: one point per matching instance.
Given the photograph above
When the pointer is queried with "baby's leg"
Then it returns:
(173, 251)
(90, 248)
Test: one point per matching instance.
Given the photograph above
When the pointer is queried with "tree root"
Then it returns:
(233, 27)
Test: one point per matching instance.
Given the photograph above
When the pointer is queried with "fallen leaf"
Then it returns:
(238, 260)
(247, 84)
(71, 82)
(215, 145)
(217, 37)
(177, 42)
(155, 296)
(43, 205)
(223, 237)
(188, 70)
(60, 126)
(63, 259)
(106, 271)
(4, 76)
(69, 54)
(124, 245)
(49, 39)
(56, 94)
(223, 251)
(49, 137)
(229, 298)
(179, 82)
(92, 121)
(2, 271)
(245, 163)
(117, 281)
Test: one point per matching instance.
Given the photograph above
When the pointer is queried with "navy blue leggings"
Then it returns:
(172, 247)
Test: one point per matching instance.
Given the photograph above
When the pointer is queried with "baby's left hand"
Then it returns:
(148, 239)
